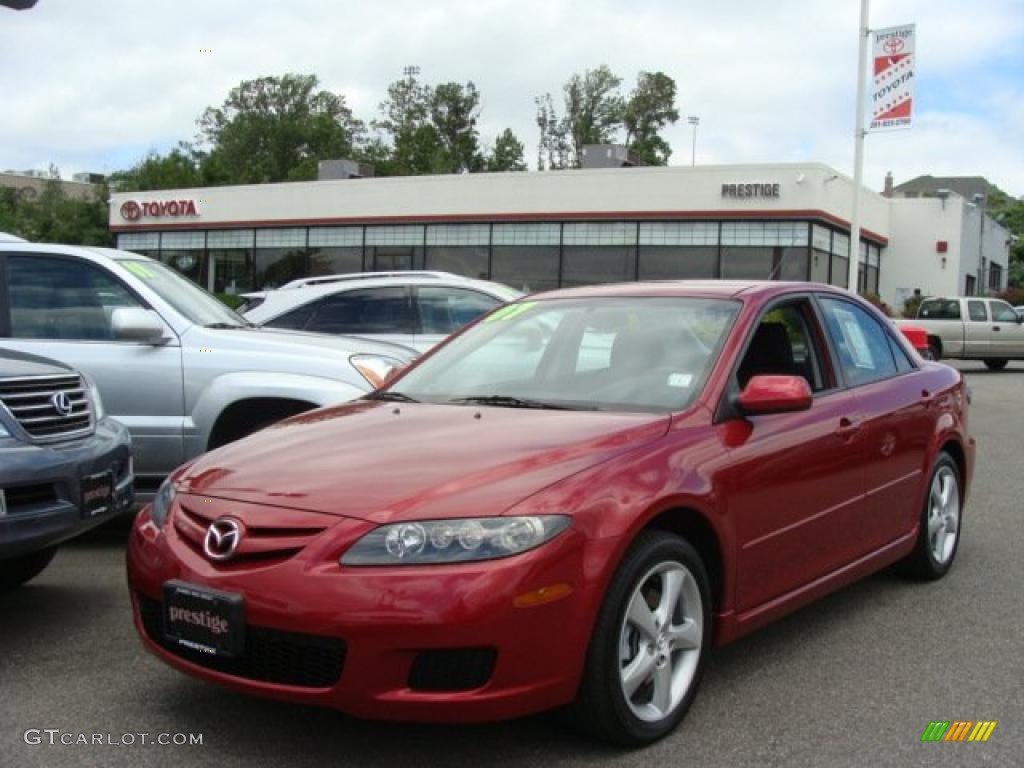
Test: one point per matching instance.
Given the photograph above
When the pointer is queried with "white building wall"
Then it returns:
(912, 261)
(983, 243)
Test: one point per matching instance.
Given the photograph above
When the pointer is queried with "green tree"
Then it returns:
(454, 110)
(648, 110)
(595, 112)
(179, 168)
(277, 129)
(54, 217)
(405, 121)
(507, 154)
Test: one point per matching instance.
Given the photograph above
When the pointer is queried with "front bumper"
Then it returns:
(48, 480)
(386, 618)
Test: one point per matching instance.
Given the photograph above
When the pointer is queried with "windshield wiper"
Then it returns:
(391, 396)
(507, 401)
(227, 326)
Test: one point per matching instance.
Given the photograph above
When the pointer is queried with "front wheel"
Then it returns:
(996, 363)
(939, 534)
(650, 643)
(18, 570)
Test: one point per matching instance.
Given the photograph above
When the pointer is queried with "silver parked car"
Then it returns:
(183, 372)
(416, 309)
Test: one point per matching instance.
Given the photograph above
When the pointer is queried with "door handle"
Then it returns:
(996, 328)
(848, 427)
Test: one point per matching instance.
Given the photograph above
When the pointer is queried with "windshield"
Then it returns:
(617, 354)
(190, 300)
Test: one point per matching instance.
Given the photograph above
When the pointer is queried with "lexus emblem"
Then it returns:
(222, 538)
(61, 403)
(131, 211)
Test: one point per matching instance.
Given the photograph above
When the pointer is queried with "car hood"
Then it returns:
(295, 343)
(385, 462)
(17, 364)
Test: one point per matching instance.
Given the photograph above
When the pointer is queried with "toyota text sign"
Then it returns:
(893, 93)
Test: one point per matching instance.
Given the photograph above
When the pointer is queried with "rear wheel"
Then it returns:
(650, 644)
(996, 363)
(18, 570)
(939, 534)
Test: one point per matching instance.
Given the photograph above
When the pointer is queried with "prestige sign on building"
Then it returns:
(893, 94)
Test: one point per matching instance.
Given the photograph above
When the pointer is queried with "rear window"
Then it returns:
(939, 309)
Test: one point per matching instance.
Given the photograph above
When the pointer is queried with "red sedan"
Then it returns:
(570, 502)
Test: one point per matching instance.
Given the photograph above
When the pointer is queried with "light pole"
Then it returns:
(694, 121)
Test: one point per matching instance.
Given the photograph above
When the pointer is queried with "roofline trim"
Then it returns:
(499, 218)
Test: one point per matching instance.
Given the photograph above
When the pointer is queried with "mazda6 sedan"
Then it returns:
(568, 503)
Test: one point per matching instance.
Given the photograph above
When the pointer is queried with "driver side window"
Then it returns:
(54, 298)
(783, 345)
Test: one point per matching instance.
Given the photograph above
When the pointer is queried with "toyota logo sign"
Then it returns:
(131, 211)
(222, 538)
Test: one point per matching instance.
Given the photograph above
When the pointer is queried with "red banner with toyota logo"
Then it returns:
(893, 95)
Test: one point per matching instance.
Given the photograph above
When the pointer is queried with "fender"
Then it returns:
(230, 388)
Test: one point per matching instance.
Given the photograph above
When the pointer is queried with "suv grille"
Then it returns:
(48, 407)
(270, 655)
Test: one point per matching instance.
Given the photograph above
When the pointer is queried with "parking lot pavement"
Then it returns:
(852, 680)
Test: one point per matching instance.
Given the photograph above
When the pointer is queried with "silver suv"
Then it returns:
(416, 309)
(183, 372)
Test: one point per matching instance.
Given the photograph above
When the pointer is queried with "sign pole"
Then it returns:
(858, 149)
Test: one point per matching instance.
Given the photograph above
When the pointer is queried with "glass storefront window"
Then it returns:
(460, 248)
(229, 260)
(598, 252)
(335, 260)
(528, 268)
(819, 265)
(791, 263)
(394, 248)
(746, 263)
(840, 271)
(667, 262)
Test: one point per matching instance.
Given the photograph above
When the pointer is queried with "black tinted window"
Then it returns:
(445, 310)
(976, 310)
(295, 320)
(861, 343)
(373, 310)
(53, 298)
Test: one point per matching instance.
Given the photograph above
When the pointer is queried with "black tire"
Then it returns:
(601, 707)
(935, 350)
(996, 363)
(922, 563)
(18, 570)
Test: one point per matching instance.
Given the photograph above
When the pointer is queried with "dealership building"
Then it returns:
(537, 231)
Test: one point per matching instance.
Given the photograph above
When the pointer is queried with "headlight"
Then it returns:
(453, 541)
(162, 503)
(97, 401)
(375, 368)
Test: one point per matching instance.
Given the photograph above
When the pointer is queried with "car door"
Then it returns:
(795, 483)
(60, 307)
(443, 309)
(897, 408)
(384, 313)
(977, 330)
(1007, 331)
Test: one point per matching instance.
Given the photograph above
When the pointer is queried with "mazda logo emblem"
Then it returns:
(61, 404)
(222, 538)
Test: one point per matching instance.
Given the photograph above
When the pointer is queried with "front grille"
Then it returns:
(33, 402)
(270, 655)
(265, 544)
(452, 669)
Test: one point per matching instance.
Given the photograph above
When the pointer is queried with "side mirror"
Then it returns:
(775, 394)
(137, 324)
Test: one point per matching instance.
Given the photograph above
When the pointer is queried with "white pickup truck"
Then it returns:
(971, 328)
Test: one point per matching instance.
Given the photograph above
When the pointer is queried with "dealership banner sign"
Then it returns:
(893, 95)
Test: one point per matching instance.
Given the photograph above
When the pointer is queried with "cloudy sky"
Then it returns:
(94, 85)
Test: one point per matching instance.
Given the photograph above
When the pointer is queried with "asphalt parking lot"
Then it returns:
(852, 680)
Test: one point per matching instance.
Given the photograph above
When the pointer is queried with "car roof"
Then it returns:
(297, 296)
(702, 288)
